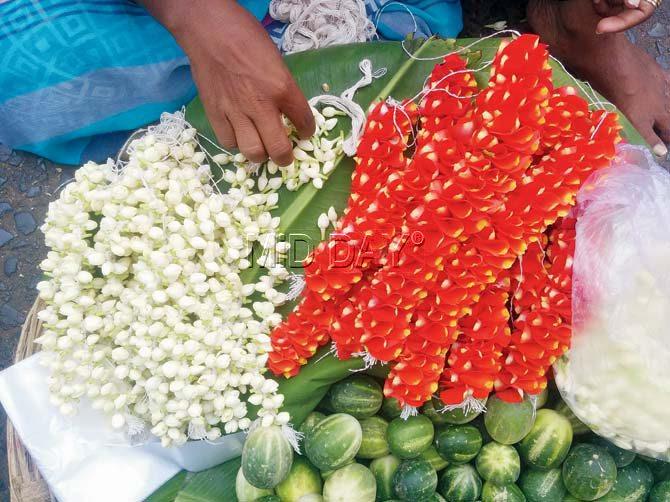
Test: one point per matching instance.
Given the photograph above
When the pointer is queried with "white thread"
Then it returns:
(368, 361)
(296, 286)
(292, 436)
(459, 49)
(518, 286)
(125, 149)
(597, 127)
(320, 23)
(590, 94)
(544, 253)
(196, 431)
(397, 105)
(533, 400)
(253, 168)
(170, 127)
(409, 11)
(63, 185)
(427, 90)
(585, 87)
(468, 405)
(332, 351)
(408, 411)
(137, 430)
(169, 130)
(345, 103)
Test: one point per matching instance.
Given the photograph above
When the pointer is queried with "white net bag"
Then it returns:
(616, 377)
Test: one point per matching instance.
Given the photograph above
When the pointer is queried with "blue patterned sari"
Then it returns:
(77, 75)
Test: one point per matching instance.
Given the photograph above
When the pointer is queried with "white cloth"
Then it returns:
(82, 458)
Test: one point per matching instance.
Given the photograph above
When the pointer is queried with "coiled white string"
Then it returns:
(320, 23)
(346, 103)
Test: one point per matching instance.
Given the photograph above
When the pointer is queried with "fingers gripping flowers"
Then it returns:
(492, 170)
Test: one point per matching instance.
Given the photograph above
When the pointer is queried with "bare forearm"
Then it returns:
(167, 12)
(181, 17)
(240, 75)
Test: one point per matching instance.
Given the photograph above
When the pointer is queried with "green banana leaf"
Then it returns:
(338, 68)
(215, 484)
(172, 487)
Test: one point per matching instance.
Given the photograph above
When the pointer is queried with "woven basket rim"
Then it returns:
(25, 481)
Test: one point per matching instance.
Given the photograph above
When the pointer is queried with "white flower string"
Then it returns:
(118, 292)
(146, 314)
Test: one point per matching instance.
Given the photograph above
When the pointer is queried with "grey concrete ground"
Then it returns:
(28, 184)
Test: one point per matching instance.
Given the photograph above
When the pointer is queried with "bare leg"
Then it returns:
(623, 73)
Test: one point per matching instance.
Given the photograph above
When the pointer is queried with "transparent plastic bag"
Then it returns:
(616, 376)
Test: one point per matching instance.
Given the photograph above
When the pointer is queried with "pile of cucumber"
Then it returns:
(356, 448)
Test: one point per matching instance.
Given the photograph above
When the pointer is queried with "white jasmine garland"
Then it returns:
(146, 311)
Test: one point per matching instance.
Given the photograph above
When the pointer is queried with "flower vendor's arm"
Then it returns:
(592, 47)
(620, 15)
(240, 75)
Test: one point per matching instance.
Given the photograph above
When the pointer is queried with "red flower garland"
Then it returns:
(380, 154)
(542, 328)
(455, 236)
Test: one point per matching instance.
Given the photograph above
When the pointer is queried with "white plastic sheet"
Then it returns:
(82, 458)
(616, 377)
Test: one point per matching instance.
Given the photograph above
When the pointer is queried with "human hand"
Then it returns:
(242, 80)
(620, 15)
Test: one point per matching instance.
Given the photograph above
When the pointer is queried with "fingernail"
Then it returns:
(634, 3)
(660, 150)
